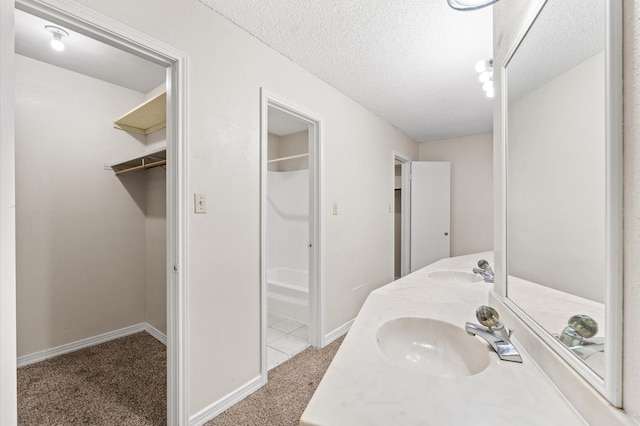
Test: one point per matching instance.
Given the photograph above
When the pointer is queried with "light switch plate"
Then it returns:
(200, 203)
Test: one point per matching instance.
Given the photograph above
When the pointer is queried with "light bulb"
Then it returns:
(57, 44)
(58, 34)
(491, 93)
(485, 76)
(487, 86)
(481, 66)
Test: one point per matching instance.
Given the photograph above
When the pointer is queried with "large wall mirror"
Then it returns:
(563, 184)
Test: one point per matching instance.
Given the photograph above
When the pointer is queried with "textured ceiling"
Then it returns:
(565, 34)
(409, 61)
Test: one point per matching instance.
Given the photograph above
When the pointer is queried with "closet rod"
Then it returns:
(288, 158)
(143, 166)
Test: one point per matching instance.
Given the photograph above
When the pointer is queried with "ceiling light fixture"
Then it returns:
(485, 68)
(470, 4)
(58, 34)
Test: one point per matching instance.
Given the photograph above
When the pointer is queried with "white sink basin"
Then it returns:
(432, 347)
(456, 276)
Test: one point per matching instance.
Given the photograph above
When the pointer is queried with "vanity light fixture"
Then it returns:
(470, 4)
(485, 68)
(58, 34)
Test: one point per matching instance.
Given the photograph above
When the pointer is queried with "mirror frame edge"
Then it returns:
(610, 386)
(614, 212)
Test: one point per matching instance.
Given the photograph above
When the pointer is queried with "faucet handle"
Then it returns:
(487, 316)
(483, 264)
(583, 325)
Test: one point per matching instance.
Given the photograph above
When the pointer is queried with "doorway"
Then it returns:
(92, 25)
(422, 213)
(290, 231)
(402, 215)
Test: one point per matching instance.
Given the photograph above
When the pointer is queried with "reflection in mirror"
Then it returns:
(557, 225)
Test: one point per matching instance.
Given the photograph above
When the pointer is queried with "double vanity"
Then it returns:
(407, 360)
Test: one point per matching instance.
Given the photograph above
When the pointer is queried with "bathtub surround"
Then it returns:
(288, 227)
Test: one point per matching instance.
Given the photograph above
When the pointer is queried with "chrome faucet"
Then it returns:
(485, 270)
(579, 328)
(494, 332)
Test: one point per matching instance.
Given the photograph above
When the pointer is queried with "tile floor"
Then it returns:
(285, 338)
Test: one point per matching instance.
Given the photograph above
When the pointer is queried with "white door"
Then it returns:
(430, 207)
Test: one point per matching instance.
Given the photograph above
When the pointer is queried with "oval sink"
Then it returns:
(456, 276)
(433, 347)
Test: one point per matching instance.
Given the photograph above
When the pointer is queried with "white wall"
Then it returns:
(509, 18)
(471, 189)
(555, 135)
(89, 260)
(227, 68)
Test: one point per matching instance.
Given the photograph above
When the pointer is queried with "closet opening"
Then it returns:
(100, 206)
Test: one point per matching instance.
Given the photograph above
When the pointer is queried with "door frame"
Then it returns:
(405, 216)
(316, 235)
(112, 32)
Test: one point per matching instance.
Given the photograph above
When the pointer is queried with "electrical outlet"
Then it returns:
(200, 203)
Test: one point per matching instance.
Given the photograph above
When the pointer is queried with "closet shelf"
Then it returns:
(288, 158)
(144, 162)
(146, 118)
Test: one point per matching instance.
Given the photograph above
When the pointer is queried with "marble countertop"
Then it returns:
(363, 387)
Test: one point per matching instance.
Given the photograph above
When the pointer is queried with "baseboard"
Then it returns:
(338, 332)
(154, 332)
(225, 402)
(90, 341)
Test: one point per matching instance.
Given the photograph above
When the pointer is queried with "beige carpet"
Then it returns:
(123, 382)
(283, 399)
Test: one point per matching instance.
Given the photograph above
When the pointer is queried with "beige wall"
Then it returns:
(80, 230)
(571, 182)
(227, 68)
(92, 251)
(156, 248)
(471, 189)
(509, 19)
